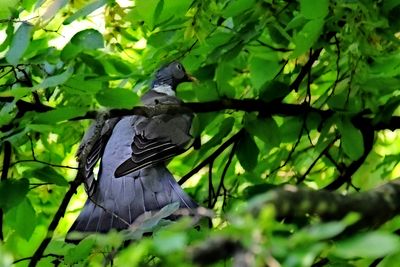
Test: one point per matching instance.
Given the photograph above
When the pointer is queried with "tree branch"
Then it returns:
(295, 202)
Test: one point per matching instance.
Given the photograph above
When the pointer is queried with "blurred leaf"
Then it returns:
(5, 12)
(146, 10)
(148, 221)
(49, 175)
(56, 79)
(80, 252)
(9, 35)
(352, 139)
(306, 38)
(86, 10)
(6, 258)
(12, 192)
(314, 9)
(59, 114)
(19, 43)
(166, 242)
(247, 152)
(117, 98)
(237, 7)
(367, 245)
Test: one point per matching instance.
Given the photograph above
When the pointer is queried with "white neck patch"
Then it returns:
(164, 89)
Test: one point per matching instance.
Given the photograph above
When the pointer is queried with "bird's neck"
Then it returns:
(164, 89)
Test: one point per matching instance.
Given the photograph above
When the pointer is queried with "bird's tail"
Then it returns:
(117, 202)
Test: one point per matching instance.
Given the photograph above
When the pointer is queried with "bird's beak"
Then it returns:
(191, 78)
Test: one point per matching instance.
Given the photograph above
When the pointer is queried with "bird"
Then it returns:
(133, 152)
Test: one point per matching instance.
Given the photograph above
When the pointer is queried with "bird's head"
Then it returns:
(172, 75)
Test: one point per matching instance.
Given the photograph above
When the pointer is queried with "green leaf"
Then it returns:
(88, 39)
(352, 139)
(49, 175)
(12, 192)
(225, 127)
(367, 245)
(146, 9)
(274, 90)
(264, 128)
(59, 114)
(9, 36)
(172, 9)
(247, 152)
(237, 7)
(149, 221)
(86, 10)
(80, 252)
(117, 98)
(223, 74)
(5, 12)
(311, 9)
(82, 85)
(306, 38)
(262, 71)
(176, 241)
(56, 79)
(19, 43)
(22, 218)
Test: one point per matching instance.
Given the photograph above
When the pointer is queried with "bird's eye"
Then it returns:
(179, 67)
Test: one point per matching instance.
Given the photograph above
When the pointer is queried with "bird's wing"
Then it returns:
(96, 151)
(156, 140)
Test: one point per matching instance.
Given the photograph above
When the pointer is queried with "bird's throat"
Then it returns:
(164, 89)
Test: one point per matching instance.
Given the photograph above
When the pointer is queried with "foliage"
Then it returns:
(326, 73)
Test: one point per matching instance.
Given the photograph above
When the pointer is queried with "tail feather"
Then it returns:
(118, 202)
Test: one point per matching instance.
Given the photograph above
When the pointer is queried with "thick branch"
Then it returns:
(294, 202)
(248, 105)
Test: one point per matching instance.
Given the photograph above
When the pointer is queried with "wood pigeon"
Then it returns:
(133, 177)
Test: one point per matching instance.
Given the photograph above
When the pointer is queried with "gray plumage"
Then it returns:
(133, 178)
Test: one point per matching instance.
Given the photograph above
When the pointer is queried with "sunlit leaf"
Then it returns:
(86, 10)
(117, 97)
(306, 38)
(314, 9)
(367, 245)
